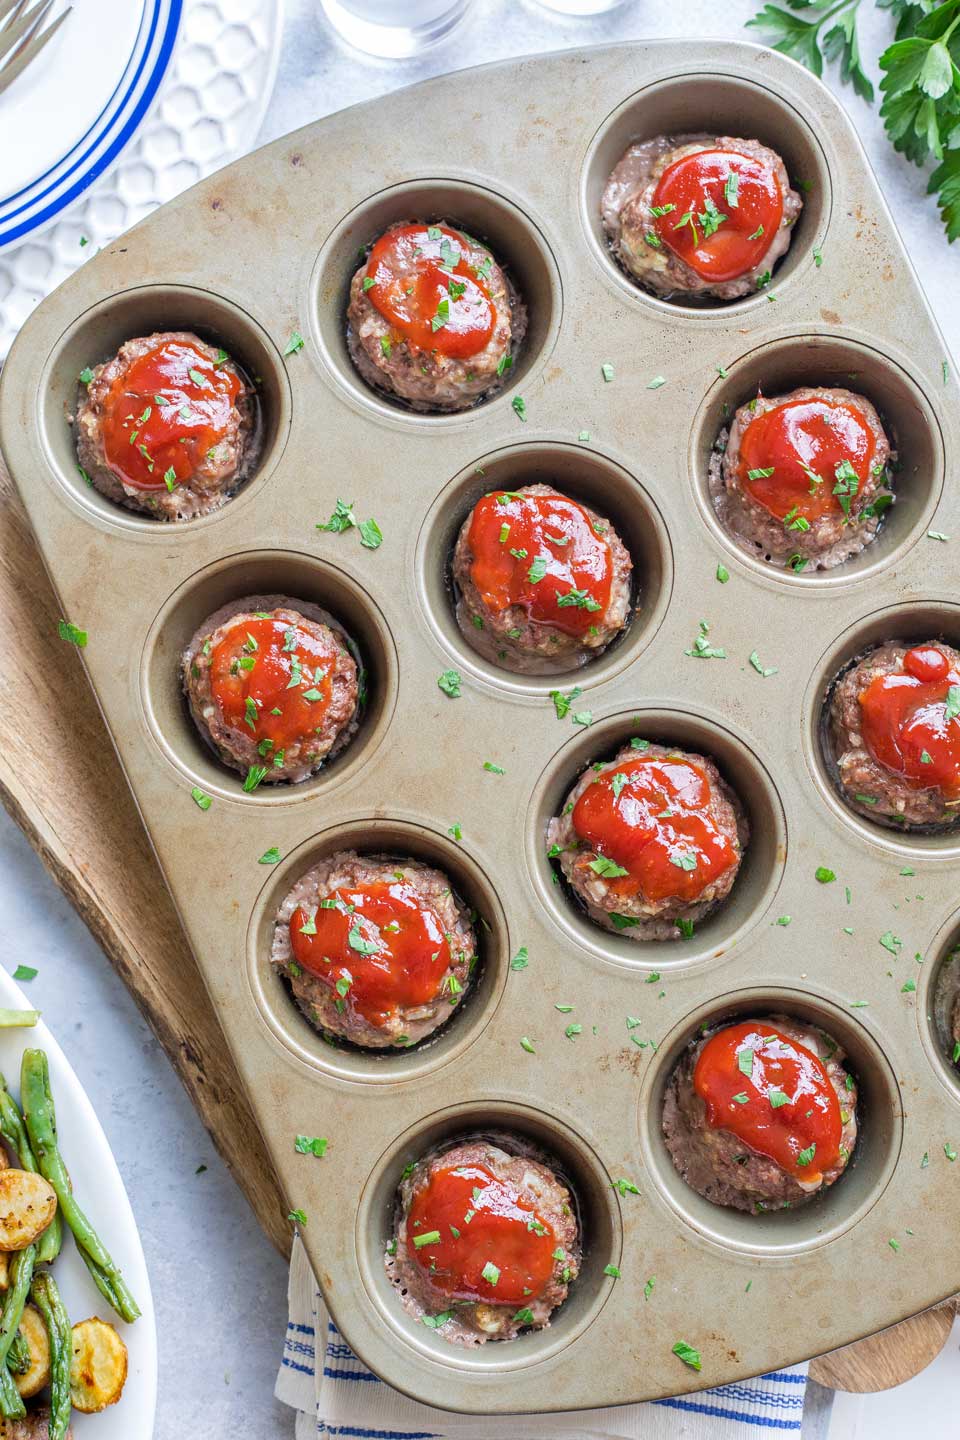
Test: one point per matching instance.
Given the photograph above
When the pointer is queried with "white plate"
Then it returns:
(206, 112)
(67, 132)
(99, 1190)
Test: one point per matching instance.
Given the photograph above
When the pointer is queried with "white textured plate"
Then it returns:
(69, 133)
(207, 111)
(99, 1189)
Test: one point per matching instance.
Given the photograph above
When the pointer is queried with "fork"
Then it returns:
(22, 36)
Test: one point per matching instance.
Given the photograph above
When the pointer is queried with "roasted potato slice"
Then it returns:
(27, 1205)
(98, 1366)
(35, 1332)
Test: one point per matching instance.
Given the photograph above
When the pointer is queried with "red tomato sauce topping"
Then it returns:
(379, 946)
(540, 552)
(718, 210)
(272, 678)
(773, 1094)
(648, 822)
(421, 283)
(164, 412)
(910, 721)
(464, 1222)
(806, 459)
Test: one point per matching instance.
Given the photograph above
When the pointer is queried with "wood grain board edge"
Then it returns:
(890, 1357)
(61, 781)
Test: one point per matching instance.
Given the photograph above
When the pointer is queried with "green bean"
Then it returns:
(46, 1297)
(18, 1356)
(40, 1117)
(21, 1274)
(14, 1132)
(13, 1019)
(11, 1401)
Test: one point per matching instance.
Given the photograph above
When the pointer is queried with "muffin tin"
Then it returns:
(518, 153)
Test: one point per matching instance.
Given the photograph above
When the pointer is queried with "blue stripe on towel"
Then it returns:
(325, 1429)
(693, 1408)
(749, 1393)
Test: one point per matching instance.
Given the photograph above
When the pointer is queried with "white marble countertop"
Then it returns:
(213, 1273)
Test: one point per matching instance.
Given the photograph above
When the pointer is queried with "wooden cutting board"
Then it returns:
(61, 781)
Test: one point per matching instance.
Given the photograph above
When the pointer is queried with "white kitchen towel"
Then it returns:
(335, 1395)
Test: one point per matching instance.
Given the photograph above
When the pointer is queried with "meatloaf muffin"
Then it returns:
(650, 841)
(543, 582)
(272, 687)
(378, 949)
(893, 733)
(803, 479)
(761, 1115)
(432, 319)
(699, 216)
(168, 426)
(486, 1241)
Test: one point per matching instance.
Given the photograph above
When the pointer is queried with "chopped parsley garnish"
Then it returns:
(269, 857)
(745, 1060)
(562, 703)
(608, 869)
(764, 670)
(434, 1322)
(294, 344)
(342, 519)
(298, 1217)
(612, 1270)
(723, 574)
(253, 778)
(202, 801)
(371, 536)
(625, 1187)
(494, 769)
(72, 633)
(806, 1156)
(527, 1044)
(86, 376)
(702, 649)
(521, 960)
(519, 407)
(656, 382)
(823, 875)
(449, 683)
(688, 1355)
(606, 370)
(537, 570)
(731, 190)
(686, 861)
(25, 972)
(311, 1145)
(579, 599)
(777, 1098)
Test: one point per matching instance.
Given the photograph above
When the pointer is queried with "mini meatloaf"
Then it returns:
(802, 480)
(168, 426)
(543, 582)
(272, 687)
(761, 1114)
(699, 216)
(378, 950)
(651, 841)
(893, 733)
(486, 1242)
(432, 319)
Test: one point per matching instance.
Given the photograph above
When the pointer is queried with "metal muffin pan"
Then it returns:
(518, 152)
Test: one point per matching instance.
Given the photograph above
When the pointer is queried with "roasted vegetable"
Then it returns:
(21, 1274)
(14, 1132)
(46, 1297)
(98, 1369)
(28, 1203)
(18, 1356)
(37, 1373)
(40, 1118)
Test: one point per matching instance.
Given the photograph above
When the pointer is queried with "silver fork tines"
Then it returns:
(22, 36)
